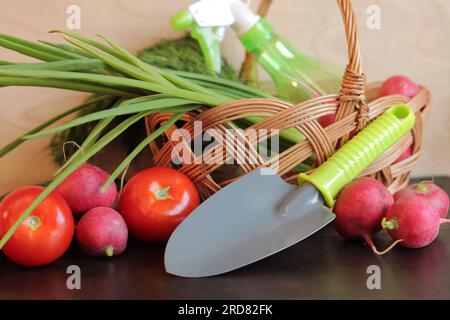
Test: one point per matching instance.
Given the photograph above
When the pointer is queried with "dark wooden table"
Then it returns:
(323, 266)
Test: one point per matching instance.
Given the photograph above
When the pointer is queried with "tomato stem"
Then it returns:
(34, 222)
(162, 193)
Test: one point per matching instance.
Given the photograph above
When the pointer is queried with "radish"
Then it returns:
(412, 222)
(431, 193)
(102, 232)
(328, 119)
(82, 189)
(405, 155)
(399, 85)
(360, 208)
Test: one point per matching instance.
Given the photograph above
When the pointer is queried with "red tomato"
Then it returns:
(155, 201)
(44, 235)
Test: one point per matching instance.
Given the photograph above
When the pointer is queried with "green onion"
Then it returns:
(121, 110)
(100, 144)
(14, 144)
(63, 65)
(89, 66)
(91, 138)
(144, 143)
(64, 84)
(40, 47)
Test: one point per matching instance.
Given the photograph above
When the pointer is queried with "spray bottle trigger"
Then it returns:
(209, 39)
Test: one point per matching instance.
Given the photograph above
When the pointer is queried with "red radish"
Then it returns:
(82, 189)
(405, 155)
(412, 222)
(399, 85)
(102, 232)
(328, 119)
(360, 208)
(431, 193)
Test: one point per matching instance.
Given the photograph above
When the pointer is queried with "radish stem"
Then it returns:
(389, 224)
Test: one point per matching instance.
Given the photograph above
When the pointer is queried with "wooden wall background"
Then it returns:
(413, 40)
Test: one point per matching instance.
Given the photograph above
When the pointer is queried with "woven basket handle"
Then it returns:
(352, 94)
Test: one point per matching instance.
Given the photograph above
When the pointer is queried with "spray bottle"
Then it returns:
(296, 76)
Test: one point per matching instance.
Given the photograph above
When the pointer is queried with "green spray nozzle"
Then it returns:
(208, 20)
(209, 38)
(182, 20)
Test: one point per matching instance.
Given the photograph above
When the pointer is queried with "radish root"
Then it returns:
(445, 221)
(122, 182)
(372, 246)
(72, 143)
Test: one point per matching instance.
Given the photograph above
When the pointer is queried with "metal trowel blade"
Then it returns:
(242, 224)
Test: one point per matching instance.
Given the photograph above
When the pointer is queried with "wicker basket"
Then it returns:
(355, 106)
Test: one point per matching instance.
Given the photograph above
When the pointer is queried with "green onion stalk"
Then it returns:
(134, 88)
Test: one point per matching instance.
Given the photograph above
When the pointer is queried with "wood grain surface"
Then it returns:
(323, 266)
(413, 40)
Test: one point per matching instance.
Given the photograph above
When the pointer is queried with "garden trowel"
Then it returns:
(260, 214)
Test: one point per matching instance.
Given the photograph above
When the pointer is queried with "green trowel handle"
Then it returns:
(360, 152)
